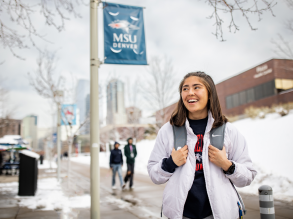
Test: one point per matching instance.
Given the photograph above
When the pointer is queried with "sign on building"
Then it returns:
(68, 114)
(124, 36)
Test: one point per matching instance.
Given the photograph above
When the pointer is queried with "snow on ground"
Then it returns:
(270, 143)
(282, 186)
(49, 196)
(46, 165)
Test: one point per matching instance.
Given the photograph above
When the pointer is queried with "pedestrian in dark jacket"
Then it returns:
(130, 153)
(116, 163)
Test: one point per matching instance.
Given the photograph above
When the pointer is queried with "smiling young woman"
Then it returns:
(198, 85)
(198, 174)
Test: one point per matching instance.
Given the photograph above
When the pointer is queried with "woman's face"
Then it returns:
(195, 97)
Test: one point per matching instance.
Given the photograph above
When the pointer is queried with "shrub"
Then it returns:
(252, 112)
(255, 112)
(283, 109)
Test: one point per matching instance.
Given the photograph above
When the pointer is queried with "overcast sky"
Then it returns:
(179, 30)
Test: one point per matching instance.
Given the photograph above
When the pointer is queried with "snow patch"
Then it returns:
(30, 154)
(49, 196)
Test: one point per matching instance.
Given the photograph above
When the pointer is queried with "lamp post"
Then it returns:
(94, 111)
(58, 96)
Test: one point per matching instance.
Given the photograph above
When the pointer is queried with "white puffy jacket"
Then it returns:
(222, 196)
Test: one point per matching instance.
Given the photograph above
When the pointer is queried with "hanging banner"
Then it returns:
(124, 38)
(68, 114)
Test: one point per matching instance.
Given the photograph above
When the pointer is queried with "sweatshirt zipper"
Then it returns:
(203, 153)
(189, 187)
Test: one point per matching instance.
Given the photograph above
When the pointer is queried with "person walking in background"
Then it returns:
(116, 163)
(41, 159)
(130, 153)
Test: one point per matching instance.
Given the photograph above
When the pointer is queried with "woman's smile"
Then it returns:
(195, 97)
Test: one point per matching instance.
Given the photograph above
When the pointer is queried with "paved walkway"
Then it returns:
(110, 206)
(148, 196)
(135, 203)
(144, 201)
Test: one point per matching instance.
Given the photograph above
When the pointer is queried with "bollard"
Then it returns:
(266, 202)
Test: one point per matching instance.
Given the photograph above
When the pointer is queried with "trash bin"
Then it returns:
(28, 173)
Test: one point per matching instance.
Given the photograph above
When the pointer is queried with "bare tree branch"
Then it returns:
(160, 88)
(6, 111)
(20, 13)
(289, 3)
(245, 7)
(133, 112)
(43, 80)
(289, 25)
(283, 48)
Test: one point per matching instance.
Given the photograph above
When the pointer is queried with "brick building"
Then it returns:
(264, 85)
(10, 127)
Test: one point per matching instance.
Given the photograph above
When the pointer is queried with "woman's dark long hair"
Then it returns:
(180, 114)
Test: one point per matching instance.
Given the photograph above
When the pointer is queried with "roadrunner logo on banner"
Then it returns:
(68, 114)
(124, 39)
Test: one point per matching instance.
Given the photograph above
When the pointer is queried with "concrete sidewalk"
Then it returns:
(149, 196)
(71, 186)
(144, 201)
(9, 207)
(115, 203)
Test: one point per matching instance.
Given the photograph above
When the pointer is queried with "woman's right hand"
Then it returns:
(179, 157)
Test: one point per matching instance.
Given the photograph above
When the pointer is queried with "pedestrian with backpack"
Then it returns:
(130, 152)
(116, 163)
(201, 156)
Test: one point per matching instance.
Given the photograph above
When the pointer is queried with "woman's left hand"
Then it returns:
(219, 158)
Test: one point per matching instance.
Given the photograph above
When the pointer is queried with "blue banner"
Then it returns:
(124, 38)
(68, 114)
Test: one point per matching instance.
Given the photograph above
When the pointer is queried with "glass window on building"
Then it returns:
(242, 98)
(250, 95)
(229, 103)
(258, 92)
(235, 99)
(269, 88)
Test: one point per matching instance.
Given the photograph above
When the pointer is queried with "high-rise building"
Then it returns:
(81, 92)
(29, 130)
(115, 103)
(87, 110)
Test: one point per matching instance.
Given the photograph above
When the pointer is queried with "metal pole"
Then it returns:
(266, 202)
(94, 111)
(58, 140)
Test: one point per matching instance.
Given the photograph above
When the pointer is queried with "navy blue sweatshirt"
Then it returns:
(116, 157)
(197, 205)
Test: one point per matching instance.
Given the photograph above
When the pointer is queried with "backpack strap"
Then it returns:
(180, 136)
(217, 136)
